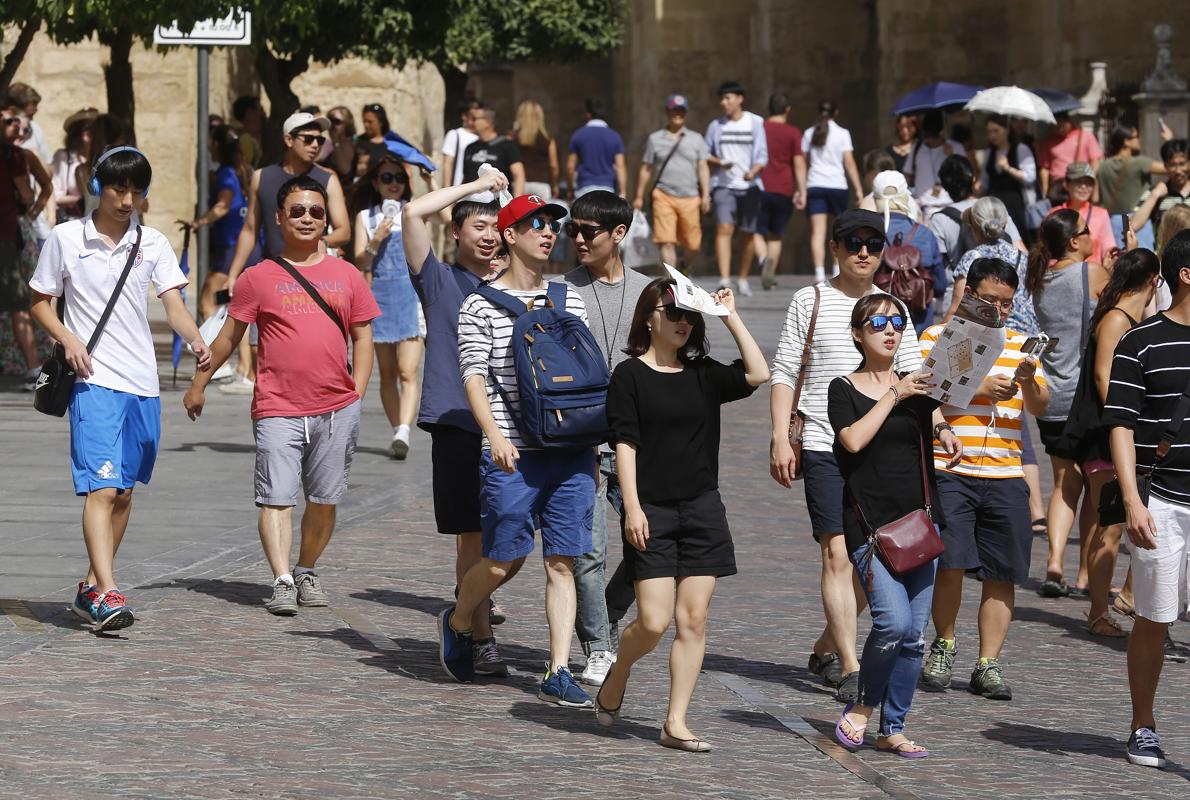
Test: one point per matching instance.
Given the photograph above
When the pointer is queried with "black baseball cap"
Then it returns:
(853, 219)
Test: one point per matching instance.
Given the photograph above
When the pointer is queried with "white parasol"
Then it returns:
(1011, 101)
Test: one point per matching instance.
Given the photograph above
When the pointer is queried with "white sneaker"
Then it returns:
(240, 385)
(400, 446)
(598, 664)
(745, 289)
(223, 373)
(724, 283)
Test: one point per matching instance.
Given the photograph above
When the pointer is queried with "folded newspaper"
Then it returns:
(965, 352)
(694, 298)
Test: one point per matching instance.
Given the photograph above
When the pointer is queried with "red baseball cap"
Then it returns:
(525, 206)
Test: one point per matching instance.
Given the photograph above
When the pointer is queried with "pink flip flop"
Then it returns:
(842, 737)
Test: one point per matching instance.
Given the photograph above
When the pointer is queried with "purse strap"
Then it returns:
(665, 163)
(801, 373)
(317, 298)
(111, 302)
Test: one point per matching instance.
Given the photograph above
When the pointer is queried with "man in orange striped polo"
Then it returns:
(984, 496)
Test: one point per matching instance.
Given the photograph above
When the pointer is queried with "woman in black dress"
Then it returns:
(881, 421)
(663, 409)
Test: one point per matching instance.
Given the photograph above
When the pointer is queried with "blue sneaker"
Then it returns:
(454, 649)
(1144, 748)
(561, 689)
(84, 602)
(111, 612)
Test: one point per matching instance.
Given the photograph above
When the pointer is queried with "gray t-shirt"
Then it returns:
(680, 178)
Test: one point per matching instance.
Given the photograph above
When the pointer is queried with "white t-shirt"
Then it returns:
(826, 163)
(927, 161)
(454, 145)
(735, 145)
(76, 263)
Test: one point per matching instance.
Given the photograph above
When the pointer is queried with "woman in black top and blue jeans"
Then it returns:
(663, 408)
(881, 421)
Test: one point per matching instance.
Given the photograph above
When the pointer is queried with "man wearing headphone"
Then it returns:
(115, 409)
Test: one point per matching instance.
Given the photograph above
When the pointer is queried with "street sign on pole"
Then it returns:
(234, 29)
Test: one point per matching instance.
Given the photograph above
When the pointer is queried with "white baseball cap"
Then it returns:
(303, 119)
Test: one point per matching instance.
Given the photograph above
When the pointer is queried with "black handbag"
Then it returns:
(56, 382)
(1111, 499)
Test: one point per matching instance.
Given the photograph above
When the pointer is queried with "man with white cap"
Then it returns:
(304, 136)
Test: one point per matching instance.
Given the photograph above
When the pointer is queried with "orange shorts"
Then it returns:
(677, 220)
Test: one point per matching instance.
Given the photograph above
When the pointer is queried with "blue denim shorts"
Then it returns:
(824, 492)
(550, 489)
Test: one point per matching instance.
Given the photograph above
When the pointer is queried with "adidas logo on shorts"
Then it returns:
(107, 471)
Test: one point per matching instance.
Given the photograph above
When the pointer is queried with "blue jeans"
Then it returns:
(891, 661)
(590, 570)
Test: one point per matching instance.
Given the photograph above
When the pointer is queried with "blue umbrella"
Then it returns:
(1058, 100)
(936, 95)
(407, 152)
(185, 265)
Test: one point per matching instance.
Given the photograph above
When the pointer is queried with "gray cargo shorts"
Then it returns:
(310, 455)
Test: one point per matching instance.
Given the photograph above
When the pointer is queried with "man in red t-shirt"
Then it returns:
(306, 405)
(784, 187)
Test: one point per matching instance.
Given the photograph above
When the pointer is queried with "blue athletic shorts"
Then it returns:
(113, 438)
(550, 489)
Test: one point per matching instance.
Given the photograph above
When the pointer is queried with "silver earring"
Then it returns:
(650, 327)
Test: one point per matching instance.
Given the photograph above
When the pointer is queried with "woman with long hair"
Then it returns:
(906, 130)
(832, 169)
(399, 333)
(1009, 169)
(1065, 286)
(342, 141)
(884, 426)
(663, 408)
(107, 131)
(1134, 279)
(375, 121)
(539, 151)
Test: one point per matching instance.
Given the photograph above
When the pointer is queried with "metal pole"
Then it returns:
(204, 166)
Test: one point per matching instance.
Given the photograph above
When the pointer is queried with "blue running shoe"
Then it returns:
(1144, 749)
(454, 649)
(111, 612)
(561, 689)
(84, 602)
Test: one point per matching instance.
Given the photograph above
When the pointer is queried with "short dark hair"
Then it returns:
(867, 305)
(1174, 147)
(128, 167)
(1175, 256)
(731, 87)
(243, 105)
(466, 104)
(1119, 137)
(605, 208)
(932, 123)
(466, 209)
(778, 102)
(302, 183)
(595, 107)
(22, 94)
(957, 177)
(878, 161)
(656, 294)
(995, 268)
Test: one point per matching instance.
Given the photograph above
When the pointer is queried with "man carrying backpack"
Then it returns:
(527, 472)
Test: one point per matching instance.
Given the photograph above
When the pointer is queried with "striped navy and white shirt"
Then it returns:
(832, 354)
(1149, 372)
(485, 337)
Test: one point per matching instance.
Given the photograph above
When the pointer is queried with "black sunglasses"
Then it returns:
(589, 232)
(389, 177)
(854, 244)
(541, 223)
(297, 211)
(311, 138)
(878, 322)
(675, 314)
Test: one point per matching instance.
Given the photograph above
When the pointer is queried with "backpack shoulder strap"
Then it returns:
(501, 299)
(464, 285)
(556, 292)
(952, 213)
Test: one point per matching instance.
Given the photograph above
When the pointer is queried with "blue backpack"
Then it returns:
(562, 376)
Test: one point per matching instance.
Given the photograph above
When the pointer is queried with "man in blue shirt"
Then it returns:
(596, 158)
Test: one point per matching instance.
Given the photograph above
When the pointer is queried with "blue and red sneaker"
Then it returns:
(111, 612)
(84, 601)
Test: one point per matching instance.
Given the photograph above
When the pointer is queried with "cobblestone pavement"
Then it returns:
(208, 696)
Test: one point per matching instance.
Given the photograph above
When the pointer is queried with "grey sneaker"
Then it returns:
(486, 659)
(598, 664)
(284, 602)
(768, 272)
(310, 591)
(987, 680)
(935, 676)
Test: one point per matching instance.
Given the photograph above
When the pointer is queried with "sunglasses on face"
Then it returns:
(11, 121)
(388, 177)
(878, 322)
(1084, 232)
(297, 211)
(675, 314)
(854, 244)
(589, 232)
(375, 108)
(311, 138)
(541, 223)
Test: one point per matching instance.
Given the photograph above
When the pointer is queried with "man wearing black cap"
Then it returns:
(822, 314)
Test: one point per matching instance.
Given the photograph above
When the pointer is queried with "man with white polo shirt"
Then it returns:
(115, 408)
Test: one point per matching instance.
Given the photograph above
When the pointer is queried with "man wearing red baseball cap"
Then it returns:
(520, 484)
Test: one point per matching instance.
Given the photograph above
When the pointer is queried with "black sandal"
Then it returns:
(1040, 526)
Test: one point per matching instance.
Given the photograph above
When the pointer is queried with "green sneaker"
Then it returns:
(988, 681)
(935, 676)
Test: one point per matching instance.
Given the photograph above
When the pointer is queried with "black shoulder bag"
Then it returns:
(323, 304)
(56, 382)
(1111, 499)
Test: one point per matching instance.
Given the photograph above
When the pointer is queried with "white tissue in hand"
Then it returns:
(487, 197)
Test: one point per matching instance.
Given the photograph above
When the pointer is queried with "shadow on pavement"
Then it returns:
(217, 447)
(241, 593)
(56, 614)
(796, 678)
(427, 604)
(573, 720)
(1074, 627)
(753, 719)
(1030, 737)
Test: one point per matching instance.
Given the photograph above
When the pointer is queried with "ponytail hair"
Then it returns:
(826, 112)
(1053, 240)
(1131, 273)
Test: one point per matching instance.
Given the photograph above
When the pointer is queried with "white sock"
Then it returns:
(286, 578)
(402, 432)
(819, 274)
(302, 571)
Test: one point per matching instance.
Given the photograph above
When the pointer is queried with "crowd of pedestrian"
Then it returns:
(546, 401)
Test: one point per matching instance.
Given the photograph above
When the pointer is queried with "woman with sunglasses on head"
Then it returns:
(883, 423)
(1065, 287)
(342, 142)
(399, 333)
(663, 410)
(375, 120)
